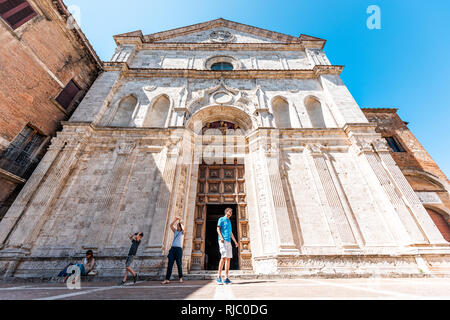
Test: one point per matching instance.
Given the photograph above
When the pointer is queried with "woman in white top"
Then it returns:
(176, 251)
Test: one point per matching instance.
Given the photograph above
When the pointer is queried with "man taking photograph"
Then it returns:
(135, 242)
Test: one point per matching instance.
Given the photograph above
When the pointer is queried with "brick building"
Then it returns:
(422, 173)
(46, 67)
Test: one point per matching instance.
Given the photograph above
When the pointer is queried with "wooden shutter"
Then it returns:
(16, 12)
(67, 95)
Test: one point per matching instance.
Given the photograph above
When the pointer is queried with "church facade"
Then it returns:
(190, 121)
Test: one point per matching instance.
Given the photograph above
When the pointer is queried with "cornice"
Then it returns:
(380, 110)
(163, 35)
(65, 14)
(285, 46)
(190, 46)
(11, 177)
(136, 37)
(234, 74)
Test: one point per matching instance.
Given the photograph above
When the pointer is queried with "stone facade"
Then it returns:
(425, 177)
(37, 60)
(159, 134)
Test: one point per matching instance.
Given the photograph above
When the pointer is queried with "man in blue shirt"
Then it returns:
(225, 233)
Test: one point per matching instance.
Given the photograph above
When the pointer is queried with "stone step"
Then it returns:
(252, 276)
(235, 275)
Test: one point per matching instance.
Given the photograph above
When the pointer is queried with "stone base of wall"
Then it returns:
(48, 267)
(154, 266)
(351, 265)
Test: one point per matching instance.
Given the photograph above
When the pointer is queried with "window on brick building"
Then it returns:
(67, 95)
(20, 155)
(394, 145)
(16, 12)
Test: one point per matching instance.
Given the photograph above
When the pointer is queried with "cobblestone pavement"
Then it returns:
(402, 289)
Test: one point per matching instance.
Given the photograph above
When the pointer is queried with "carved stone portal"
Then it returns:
(221, 185)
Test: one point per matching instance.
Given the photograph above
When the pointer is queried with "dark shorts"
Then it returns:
(129, 261)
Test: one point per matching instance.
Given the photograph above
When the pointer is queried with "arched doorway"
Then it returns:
(220, 186)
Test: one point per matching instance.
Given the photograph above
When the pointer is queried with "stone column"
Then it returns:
(116, 183)
(18, 208)
(42, 200)
(277, 233)
(278, 199)
(332, 203)
(161, 210)
(178, 202)
(268, 243)
(21, 203)
(392, 192)
(409, 197)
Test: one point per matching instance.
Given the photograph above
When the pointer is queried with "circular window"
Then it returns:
(219, 66)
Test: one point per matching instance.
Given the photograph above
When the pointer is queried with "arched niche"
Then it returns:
(281, 114)
(440, 219)
(158, 112)
(424, 181)
(315, 112)
(219, 113)
(125, 111)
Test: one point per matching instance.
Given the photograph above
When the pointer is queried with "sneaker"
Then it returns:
(227, 281)
(219, 281)
(135, 278)
(121, 283)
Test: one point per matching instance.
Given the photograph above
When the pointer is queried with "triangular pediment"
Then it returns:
(221, 30)
(218, 31)
(219, 35)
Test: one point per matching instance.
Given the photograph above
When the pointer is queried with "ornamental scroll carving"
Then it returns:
(221, 36)
(125, 148)
(221, 94)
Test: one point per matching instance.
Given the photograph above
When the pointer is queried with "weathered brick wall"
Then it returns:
(26, 87)
(36, 61)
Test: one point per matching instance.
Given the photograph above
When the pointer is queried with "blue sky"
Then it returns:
(405, 65)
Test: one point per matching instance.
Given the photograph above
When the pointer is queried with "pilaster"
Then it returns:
(330, 198)
(161, 211)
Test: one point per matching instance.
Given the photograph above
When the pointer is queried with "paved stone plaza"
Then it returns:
(302, 289)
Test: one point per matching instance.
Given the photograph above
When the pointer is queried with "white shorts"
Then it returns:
(226, 251)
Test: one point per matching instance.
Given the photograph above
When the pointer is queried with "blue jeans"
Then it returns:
(79, 265)
(175, 254)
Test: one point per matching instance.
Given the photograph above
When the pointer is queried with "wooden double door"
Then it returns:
(220, 186)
